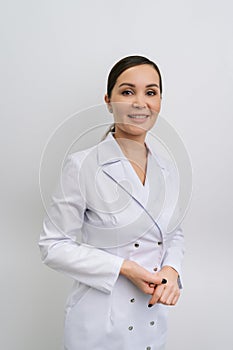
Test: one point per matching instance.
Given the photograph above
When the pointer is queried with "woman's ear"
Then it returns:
(108, 103)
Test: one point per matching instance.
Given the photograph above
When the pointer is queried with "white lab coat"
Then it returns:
(100, 215)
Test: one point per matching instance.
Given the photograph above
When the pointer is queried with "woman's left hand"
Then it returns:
(167, 294)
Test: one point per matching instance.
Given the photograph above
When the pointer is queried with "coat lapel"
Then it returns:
(160, 193)
(116, 166)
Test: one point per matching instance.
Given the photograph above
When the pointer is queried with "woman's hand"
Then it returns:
(169, 293)
(142, 278)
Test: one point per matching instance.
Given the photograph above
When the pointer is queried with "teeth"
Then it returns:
(138, 116)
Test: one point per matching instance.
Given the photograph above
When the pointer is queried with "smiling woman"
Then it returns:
(135, 100)
(126, 269)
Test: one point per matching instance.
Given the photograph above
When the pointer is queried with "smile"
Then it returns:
(138, 116)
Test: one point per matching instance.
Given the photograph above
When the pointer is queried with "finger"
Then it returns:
(166, 300)
(148, 288)
(169, 296)
(153, 283)
(175, 299)
(156, 295)
(152, 286)
(166, 296)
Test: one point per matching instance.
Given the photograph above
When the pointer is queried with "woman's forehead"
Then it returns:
(142, 74)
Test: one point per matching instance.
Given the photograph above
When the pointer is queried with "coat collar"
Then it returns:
(116, 165)
(109, 152)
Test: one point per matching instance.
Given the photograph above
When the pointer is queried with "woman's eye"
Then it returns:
(151, 93)
(127, 92)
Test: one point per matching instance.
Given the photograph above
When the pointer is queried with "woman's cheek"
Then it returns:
(120, 110)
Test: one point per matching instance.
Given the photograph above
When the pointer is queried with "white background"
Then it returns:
(55, 57)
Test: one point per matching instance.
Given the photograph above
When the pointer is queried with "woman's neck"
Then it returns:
(134, 148)
(136, 152)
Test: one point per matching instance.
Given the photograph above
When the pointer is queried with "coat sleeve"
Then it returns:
(174, 252)
(59, 246)
(174, 241)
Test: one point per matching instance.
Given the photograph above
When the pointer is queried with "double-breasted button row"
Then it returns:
(136, 245)
(152, 323)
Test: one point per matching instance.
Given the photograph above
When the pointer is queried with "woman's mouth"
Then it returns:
(139, 118)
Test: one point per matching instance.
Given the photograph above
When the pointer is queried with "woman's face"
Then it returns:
(135, 101)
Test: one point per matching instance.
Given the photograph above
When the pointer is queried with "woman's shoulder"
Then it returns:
(105, 148)
(86, 156)
(81, 154)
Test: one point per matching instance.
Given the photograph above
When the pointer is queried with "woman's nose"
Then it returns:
(139, 102)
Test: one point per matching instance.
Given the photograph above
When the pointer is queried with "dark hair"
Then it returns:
(125, 63)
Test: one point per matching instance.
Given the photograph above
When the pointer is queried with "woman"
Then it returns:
(107, 225)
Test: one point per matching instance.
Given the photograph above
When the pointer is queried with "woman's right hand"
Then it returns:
(142, 278)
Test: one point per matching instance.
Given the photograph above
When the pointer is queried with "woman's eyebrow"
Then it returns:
(132, 85)
(153, 85)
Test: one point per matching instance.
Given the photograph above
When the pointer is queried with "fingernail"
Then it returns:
(150, 305)
(164, 281)
(151, 284)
